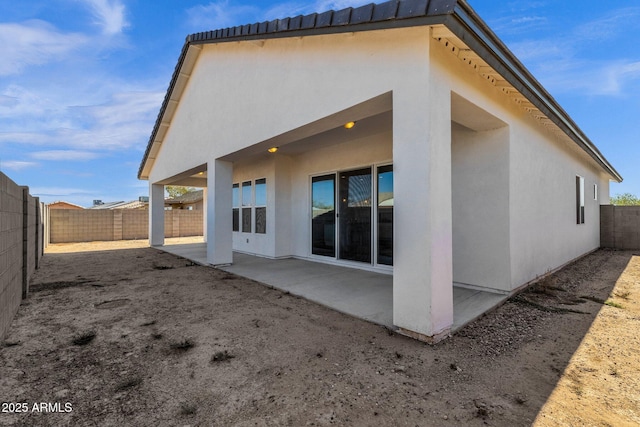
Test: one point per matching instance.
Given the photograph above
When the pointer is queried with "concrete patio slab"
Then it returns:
(359, 293)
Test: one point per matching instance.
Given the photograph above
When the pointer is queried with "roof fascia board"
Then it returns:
(355, 28)
(469, 28)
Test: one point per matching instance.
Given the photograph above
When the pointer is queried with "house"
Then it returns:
(192, 200)
(60, 204)
(401, 137)
(141, 203)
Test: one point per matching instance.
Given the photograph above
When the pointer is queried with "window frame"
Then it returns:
(580, 200)
(260, 228)
(235, 207)
(246, 206)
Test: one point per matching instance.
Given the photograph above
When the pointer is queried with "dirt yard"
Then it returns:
(138, 337)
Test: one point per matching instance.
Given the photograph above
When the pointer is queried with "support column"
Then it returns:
(423, 266)
(279, 206)
(204, 213)
(156, 214)
(219, 213)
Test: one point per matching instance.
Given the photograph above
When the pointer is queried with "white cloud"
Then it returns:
(57, 191)
(565, 62)
(16, 165)
(223, 13)
(34, 42)
(125, 121)
(609, 25)
(324, 5)
(618, 76)
(109, 14)
(66, 155)
(220, 14)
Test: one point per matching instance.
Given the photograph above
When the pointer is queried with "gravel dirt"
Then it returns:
(139, 337)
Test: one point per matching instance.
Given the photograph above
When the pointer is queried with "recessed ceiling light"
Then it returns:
(272, 149)
(349, 125)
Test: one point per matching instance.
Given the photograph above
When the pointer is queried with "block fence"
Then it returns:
(620, 227)
(72, 225)
(21, 246)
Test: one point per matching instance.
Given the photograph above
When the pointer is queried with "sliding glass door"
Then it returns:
(344, 211)
(385, 215)
(354, 215)
(323, 215)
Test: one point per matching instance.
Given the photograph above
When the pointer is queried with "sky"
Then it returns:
(82, 81)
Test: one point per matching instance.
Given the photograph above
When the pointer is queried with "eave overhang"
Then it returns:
(453, 21)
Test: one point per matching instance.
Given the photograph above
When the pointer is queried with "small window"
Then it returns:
(261, 206)
(595, 191)
(579, 200)
(236, 207)
(246, 206)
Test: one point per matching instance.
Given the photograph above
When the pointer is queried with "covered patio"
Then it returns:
(359, 293)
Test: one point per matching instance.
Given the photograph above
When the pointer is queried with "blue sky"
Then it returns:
(81, 81)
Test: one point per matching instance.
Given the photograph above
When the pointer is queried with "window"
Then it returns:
(236, 207)
(579, 200)
(246, 206)
(595, 191)
(385, 215)
(323, 215)
(261, 203)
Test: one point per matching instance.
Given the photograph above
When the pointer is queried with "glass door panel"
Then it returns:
(385, 215)
(323, 215)
(355, 215)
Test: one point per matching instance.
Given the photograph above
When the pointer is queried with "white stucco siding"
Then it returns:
(538, 231)
(480, 194)
(479, 172)
(242, 93)
(544, 232)
(422, 186)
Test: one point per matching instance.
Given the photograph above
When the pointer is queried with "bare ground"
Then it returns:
(139, 337)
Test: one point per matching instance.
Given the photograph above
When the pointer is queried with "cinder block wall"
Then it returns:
(189, 222)
(71, 225)
(135, 224)
(620, 227)
(20, 251)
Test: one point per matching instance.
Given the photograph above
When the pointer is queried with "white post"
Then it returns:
(423, 258)
(204, 213)
(156, 214)
(219, 213)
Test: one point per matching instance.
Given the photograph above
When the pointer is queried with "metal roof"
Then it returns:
(460, 20)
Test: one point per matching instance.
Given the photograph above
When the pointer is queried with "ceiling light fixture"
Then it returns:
(349, 125)
(272, 149)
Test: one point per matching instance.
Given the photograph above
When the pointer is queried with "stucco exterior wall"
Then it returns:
(273, 78)
(480, 194)
(541, 194)
(544, 232)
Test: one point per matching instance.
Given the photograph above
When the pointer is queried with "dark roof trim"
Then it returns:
(456, 15)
